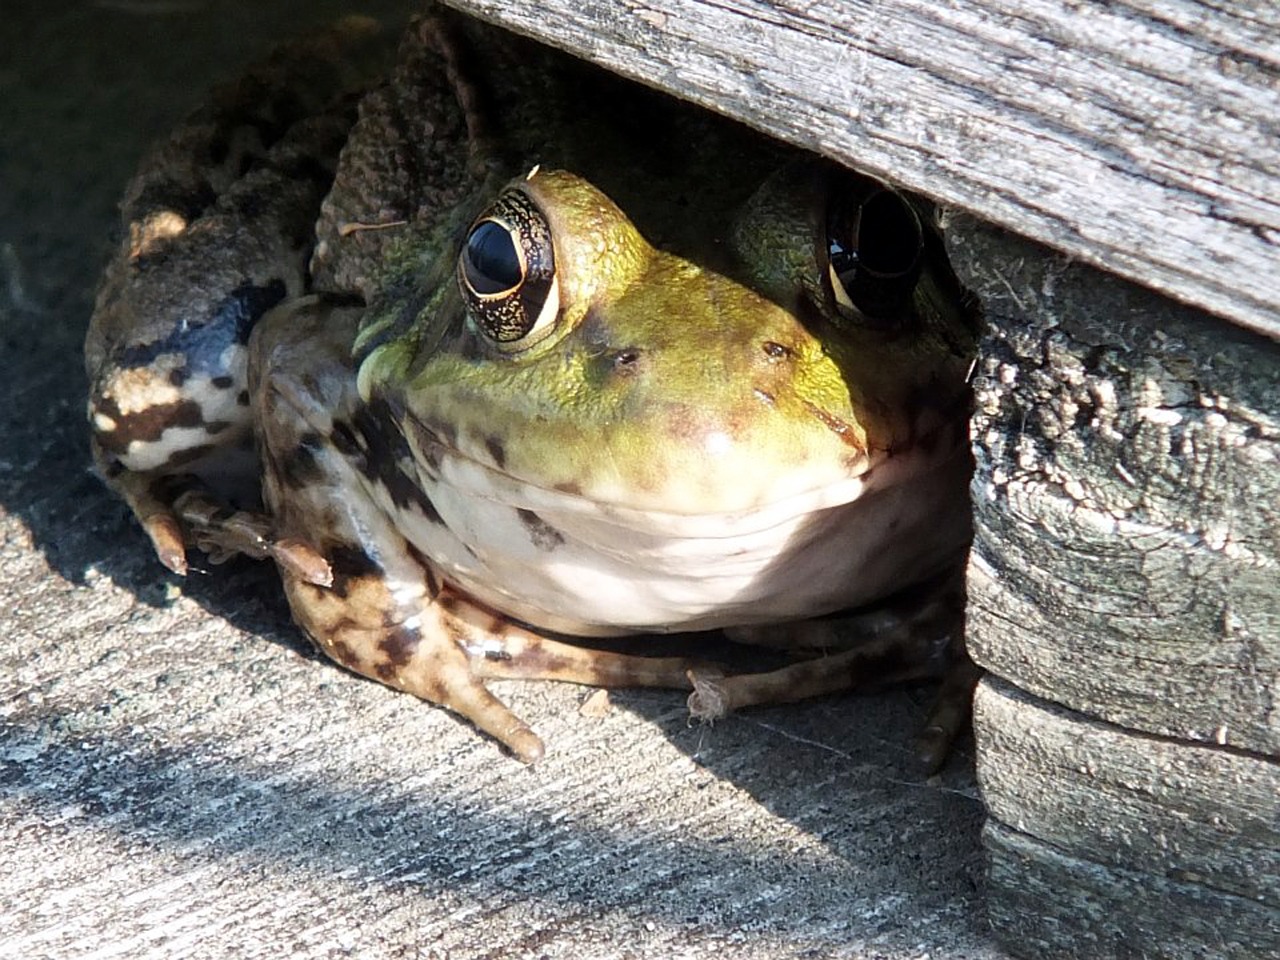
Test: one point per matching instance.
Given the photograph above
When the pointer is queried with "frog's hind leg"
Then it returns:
(218, 227)
(525, 655)
(920, 637)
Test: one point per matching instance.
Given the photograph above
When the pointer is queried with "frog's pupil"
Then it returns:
(888, 236)
(875, 250)
(492, 263)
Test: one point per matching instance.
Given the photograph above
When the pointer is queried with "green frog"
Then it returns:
(494, 351)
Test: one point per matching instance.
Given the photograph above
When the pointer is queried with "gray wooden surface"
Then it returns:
(1124, 577)
(1142, 136)
(1180, 843)
(1127, 501)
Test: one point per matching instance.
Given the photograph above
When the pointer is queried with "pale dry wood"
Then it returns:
(1050, 905)
(1190, 813)
(1141, 136)
(1127, 499)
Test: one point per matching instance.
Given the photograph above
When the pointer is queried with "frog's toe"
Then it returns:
(949, 716)
(165, 533)
(874, 664)
(466, 696)
(147, 498)
(400, 628)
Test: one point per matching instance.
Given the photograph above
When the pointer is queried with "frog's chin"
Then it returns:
(562, 562)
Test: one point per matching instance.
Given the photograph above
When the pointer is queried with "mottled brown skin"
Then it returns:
(426, 637)
(209, 251)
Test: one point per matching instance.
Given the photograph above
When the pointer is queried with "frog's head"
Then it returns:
(807, 347)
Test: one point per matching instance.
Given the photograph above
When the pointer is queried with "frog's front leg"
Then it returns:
(916, 635)
(339, 477)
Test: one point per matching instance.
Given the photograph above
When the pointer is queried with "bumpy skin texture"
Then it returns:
(684, 423)
(219, 225)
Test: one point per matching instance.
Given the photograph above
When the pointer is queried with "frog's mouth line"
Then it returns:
(840, 427)
(440, 463)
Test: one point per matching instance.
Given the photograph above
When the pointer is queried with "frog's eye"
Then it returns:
(875, 252)
(507, 274)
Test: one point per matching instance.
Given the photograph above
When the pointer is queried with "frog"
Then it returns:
(501, 357)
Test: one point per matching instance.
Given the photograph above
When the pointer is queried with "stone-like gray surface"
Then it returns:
(180, 776)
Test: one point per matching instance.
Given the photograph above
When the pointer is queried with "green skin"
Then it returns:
(699, 397)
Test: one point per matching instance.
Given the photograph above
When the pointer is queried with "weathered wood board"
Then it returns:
(1127, 499)
(1142, 136)
(1126, 565)
(1103, 844)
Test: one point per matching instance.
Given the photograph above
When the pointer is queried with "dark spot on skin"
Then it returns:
(215, 427)
(301, 467)
(571, 487)
(398, 646)
(537, 661)
(146, 425)
(223, 382)
(349, 563)
(432, 454)
(385, 450)
(340, 651)
(242, 398)
(626, 362)
(448, 434)
(498, 656)
(178, 377)
(497, 451)
(776, 351)
(246, 304)
(544, 536)
(343, 440)
(429, 448)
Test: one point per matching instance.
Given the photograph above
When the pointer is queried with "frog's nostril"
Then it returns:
(627, 360)
(776, 352)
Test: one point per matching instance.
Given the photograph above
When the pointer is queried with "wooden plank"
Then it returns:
(1048, 905)
(1127, 499)
(1191, 813)
(1140, 136)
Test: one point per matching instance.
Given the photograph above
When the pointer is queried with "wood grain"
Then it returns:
(1106, 843)
(1127, 499)
(1140, 136)
(1126, 564)
(1191, 813)
(1047, 904)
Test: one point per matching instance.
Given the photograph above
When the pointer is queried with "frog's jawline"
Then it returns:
(561, 562)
